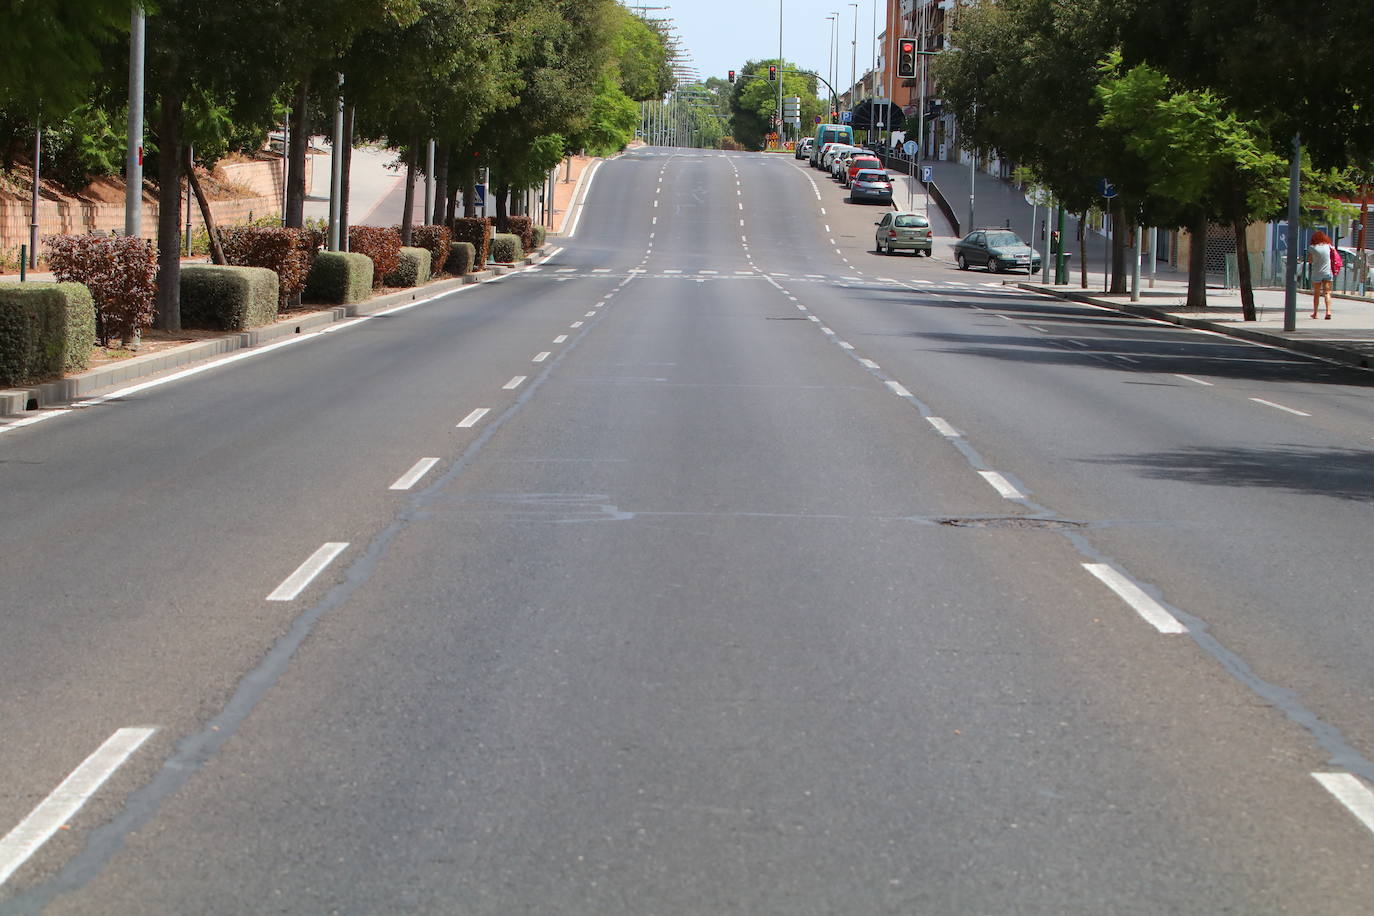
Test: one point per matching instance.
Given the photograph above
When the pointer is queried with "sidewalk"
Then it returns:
(1347, 338)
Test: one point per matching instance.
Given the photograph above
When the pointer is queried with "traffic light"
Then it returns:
(772, 73)
(906, 59)
(732, 76)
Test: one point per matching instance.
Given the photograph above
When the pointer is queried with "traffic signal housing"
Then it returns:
(906, 59)
(772, 73)
(732, 76)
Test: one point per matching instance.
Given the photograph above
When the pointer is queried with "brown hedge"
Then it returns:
(382, 245)
(476, 231)
(290, 253)
(435, 238)
(522, 226)
(120, 272)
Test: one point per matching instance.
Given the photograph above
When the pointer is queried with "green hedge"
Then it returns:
(226, 298)
(461, 256)
(505, 248)
(540, 233)
(437, 240)
(477, 231)
(45, 329)
(413, 269)
(339, 277)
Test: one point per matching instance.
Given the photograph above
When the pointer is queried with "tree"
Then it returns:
(50, 52)
(754, 101)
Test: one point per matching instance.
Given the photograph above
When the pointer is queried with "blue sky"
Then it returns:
(720, 35)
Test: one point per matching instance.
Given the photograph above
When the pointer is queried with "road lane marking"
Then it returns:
(672, 271)
(1299, 413)
(1002, 485)
(566, 270)
(589, 315)
(1035, 328)
(471, 419)
(898, 389)
(513, 383)
(560, 338)
(1195, 381)
(412, 476)
(1348, 790)
(53, 812)
(540, 357)
(813, 318)
(827, 331)
(1148, 608)
(943, 428)
(868, 364)
(575, 325)
(800, 307)
(295, 583)
(845, 345)
(1127, 359)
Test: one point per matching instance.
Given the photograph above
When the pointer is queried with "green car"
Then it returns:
(997, 250)
(902, 230)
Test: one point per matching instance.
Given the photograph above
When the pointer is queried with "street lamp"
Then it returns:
(854, 57)
(830, 70)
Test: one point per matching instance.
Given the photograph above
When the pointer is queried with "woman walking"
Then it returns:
(1319, 260)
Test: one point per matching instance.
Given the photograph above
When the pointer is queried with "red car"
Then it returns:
(860, 162)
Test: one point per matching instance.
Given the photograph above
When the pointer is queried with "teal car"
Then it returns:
(997, 250)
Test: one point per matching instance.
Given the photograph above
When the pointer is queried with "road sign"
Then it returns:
(927, 174)
(909, 147)
(479, 193)
(845, 116)
(1106, 189)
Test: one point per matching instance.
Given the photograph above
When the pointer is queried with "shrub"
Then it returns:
(413, 269)
(505, 248)
(45, 329)
(522, 226)
(460, 258)
(289, 253)
(121, 274)
(540, 233)
(339, 277)
(436, 239)
(477, 232)
(383, 246)
(223, 298)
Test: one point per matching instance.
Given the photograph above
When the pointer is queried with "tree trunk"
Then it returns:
(436, 218)
(1120, 230)
(408, 214)
(1238, 223)
(300, 146)
(347, 153)
(469, 200)
(211, 230)
(1197, 264)
(168, 316)
(451, 205)
(502, 210)
(1082, 251)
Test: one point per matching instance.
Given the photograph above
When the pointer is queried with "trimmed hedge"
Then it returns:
(476, 231)
(228, 298)
(339, 277)
(289, 253)
(437, 240)
(383, 246)
(460, 258)
(119, 272)
(45, 329)
(505, 248)
(413, 269)
(540, 233)
(522, 226)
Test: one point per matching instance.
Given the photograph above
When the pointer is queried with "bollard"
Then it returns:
(23, 263)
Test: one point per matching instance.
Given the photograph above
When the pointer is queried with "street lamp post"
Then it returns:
(830, 67)
(854, 58)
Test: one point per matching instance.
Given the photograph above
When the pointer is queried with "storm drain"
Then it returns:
(1011, 522)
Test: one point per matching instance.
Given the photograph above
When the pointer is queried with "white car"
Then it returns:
(833, 150)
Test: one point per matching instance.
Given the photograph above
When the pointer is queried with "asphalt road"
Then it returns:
(756, 573)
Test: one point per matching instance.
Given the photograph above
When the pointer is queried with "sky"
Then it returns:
(720, 35)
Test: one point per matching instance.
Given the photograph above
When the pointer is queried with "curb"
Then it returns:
(1345, 355)
(58, 392)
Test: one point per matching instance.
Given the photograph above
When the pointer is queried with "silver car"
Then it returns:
(902, 230)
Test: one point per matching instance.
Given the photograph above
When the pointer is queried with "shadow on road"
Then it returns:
(1340, 473)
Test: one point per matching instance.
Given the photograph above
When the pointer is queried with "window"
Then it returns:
(912, 222)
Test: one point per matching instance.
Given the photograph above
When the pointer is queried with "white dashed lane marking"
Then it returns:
(1151, 610)
(471, 419)
(514, 383)
(1003, 486)
(295, 583)
(1291, 410)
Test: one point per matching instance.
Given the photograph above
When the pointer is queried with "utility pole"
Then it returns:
(1290, 274)
(133, 158)
(779, 74)
(854, 59)
(336, 159)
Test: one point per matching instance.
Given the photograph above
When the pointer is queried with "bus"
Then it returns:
(830, 133)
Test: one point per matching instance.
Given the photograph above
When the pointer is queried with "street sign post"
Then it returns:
(927, 174)
(1106, 189)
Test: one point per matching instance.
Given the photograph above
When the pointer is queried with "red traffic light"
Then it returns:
(772, 74)
(906, 59)
(732, 76)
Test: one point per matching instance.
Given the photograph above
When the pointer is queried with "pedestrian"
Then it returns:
(1319, 252)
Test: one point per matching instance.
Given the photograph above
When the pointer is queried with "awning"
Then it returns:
(890, 116)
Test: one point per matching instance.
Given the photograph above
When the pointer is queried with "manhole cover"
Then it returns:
(1013, 522)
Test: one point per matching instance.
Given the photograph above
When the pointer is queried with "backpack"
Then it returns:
(1336, 262)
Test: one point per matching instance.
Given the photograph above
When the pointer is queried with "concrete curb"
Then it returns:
(1347, 355)
(15, 401)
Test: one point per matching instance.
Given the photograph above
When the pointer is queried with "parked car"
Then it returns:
(871, 185)
(902, 230)
(837, 162)
(859, 161)
(828, 157)
(803, 149)
(995, 249)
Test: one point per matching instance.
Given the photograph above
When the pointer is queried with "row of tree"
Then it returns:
(754, 99)
(1189, 109)
(511, 85)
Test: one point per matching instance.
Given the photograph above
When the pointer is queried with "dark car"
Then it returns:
(871, 184)
(995, 249)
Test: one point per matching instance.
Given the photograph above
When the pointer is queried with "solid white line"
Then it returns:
(1189, 378)
(869, 364)
(1147, 607)
(1348, 790)
(312, 567)
(63, 802)
(898, 389)
(1280, 407)
(513, 383)
(471, 419)
(1002, 485)
(560, 338)
(943, 427)
(409, 478)
(540, 357)
(590, 175)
